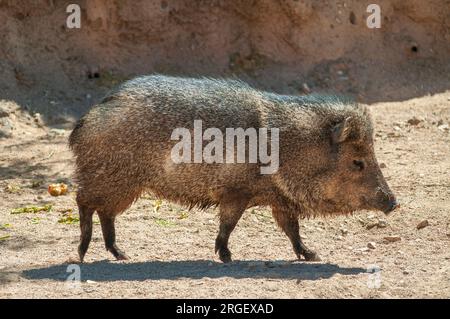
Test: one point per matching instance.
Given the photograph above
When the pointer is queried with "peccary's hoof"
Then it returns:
(122, 257)
(225, 256)
(311, 256)
(80, 256)
(119, 254)
(73, 260)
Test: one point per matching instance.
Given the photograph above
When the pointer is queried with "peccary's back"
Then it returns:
(169, 102)
(125, 141)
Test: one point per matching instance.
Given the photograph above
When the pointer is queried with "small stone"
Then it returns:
(414, 121)
(392, 239)
(371, 245)
(344, 231)
(379, 224)
(38, 120)
(3, 112)
(443, 127)
(305, 88)
(91, 282)
(6, 127)
(371, 225)
(423, 224)
(56, 132)
(382, 165)
(382, 224)
(361, 250)
(405, 272)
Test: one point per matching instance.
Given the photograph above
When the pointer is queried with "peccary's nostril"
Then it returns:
(392, 206)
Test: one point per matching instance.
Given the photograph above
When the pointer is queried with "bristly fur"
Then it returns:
(122, 148)
(99, 137)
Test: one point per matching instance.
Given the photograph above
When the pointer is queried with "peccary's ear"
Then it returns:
(341, 131)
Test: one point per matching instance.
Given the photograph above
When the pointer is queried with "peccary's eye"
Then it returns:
(359, 164)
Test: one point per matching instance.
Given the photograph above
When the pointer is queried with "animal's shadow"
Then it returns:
(195, 269)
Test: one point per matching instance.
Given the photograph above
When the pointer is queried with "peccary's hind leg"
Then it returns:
(289, 224)
(232, 206)
(86, 229)
(109, 235)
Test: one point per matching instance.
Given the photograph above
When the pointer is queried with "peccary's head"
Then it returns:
(332, 168)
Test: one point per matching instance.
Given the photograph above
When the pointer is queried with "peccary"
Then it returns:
(327, 164)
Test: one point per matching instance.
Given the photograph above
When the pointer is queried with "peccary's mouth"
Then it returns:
(386, 206)
(393, 205)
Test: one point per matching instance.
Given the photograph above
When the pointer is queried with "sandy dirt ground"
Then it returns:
(172, 249)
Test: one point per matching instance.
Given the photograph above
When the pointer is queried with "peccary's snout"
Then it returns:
(387, 200)
(392, 204)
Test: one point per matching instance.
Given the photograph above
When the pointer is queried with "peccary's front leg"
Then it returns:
(232, 206)
(289, 224)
